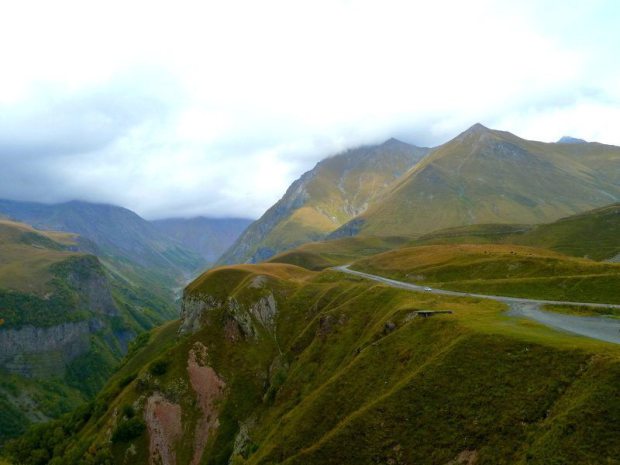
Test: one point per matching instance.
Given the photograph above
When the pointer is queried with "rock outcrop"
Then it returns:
(31, 351)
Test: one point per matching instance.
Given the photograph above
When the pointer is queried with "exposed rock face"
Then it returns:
(30, 351)
(209, 389)
(163, 421)
(265, 311)
(262, 311)
(34, 351)
(192, 310)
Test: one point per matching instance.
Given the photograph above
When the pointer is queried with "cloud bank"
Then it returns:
(213, 108)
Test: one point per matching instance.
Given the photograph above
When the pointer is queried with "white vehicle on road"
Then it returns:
(427, 288)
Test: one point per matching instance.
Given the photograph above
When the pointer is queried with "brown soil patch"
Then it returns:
(467, 457)
(163, 420)
(209, 389)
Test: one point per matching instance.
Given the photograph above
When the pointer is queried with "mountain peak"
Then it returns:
(393, 141)
(571, 140)
(477, 129)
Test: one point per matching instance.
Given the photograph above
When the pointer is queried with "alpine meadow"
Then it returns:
(274, 233)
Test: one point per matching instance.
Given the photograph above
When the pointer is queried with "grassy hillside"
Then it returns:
(27, 254)
(500, 269)
(320, 255)
(130, 247)
(594, 234)
(336, 190)
(65, 323)
(277, 364)
(487, 176)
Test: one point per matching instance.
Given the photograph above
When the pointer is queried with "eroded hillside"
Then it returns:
(65, 323)
(273, 363)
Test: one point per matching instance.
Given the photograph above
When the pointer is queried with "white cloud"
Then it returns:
(184, 108)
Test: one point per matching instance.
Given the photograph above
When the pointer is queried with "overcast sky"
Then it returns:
(214, 107)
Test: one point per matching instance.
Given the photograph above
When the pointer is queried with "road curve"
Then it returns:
(602, 328)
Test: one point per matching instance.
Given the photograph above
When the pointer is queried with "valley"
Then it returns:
(74, 298)
(310, 233)
(393, 307)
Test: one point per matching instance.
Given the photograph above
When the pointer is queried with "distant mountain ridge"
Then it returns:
(114, 230)
(490, 176)
(336, 190)
(65, 323)
(208, 237)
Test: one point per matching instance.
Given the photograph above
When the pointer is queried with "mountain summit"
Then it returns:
(491, 176)
(338, 189)
(571, 140)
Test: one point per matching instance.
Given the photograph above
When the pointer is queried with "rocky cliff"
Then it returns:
(62, 330)
(275, 364)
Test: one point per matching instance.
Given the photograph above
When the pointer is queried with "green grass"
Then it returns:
(317, 256)
(581, 310)
(26, 258)
(500, 269)
(593, 234)
(348, 376)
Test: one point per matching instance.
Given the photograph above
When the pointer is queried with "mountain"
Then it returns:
(65, 323)
(128, 245)
(336, 190)
(488, 176)
(278, 364)
(208, 237)
(115, 231)
(594, 234)
(571, 140)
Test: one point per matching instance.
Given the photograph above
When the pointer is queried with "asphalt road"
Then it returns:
(602, 328)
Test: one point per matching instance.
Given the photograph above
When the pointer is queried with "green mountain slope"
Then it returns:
(65, 323)
(593, 234)
(336, 190)
(208, 237)
(317, 256)
(500, 269)
(487, 176)
(277, 364)
(130, 247)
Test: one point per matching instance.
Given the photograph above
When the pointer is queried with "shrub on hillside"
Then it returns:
(128, 430)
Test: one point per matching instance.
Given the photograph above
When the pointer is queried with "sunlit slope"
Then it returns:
(336, 190)
(129, 246)
(487, 176)
(500, 269)
(27, 254)
(594, 234)
(277, 364)
(320, 255)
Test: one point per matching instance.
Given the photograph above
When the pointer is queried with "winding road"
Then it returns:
(602, 328)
